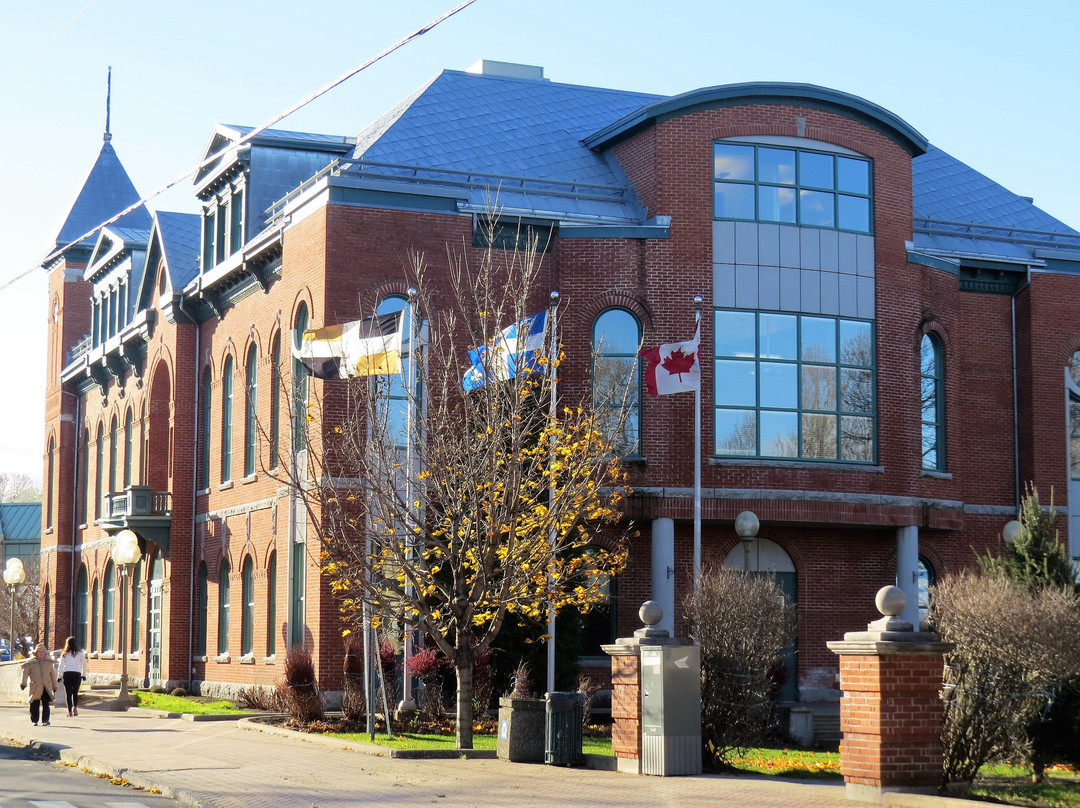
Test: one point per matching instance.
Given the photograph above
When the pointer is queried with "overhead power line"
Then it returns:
(45, 47)
(249, 136)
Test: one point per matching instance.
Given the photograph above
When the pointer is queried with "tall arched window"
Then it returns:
(99, 468)
(108, 617)
(204, 611)
(394, 396)
(300, 384)
(616, 378)
(226, 419)
(207, 413)
(271, 605)
(114, 450)
(932, 394)
(144, 441)
(247, 617)
(95, 613)
(275, 400)
(84, 484)
(50, 470)
(223, 608)
(82, 607)
(251, 390)
(136, 611)
(129, 445)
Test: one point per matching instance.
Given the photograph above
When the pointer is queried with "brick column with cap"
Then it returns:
(891, 709)
(625, 655)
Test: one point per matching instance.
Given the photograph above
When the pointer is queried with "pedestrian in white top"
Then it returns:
(72, 670)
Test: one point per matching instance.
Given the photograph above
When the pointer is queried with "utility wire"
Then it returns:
(249, 136)
(45, 46)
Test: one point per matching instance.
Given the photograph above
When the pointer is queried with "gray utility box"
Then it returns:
(670, 709)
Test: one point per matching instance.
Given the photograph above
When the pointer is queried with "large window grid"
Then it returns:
(757, 182)
(794, 386)
(251, 391)
(226, 420)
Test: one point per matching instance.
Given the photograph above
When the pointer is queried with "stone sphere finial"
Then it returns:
(651, 613)
(890, 600)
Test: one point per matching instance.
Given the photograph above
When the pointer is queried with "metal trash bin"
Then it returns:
(562, 730)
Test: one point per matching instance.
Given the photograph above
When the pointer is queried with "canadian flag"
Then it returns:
(674, 367)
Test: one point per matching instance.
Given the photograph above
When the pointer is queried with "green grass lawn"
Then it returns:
(481, 740)
(185, 704)
(799, 763)
(1011, 784)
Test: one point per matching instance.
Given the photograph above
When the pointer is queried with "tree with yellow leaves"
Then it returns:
(503, 505)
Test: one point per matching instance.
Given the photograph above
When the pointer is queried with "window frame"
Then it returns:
(800, 189)
(208, 415)
(251, 398)
(247, 607)
(108, 608)
(227, 419)
(634, 398)
(935, 379)
(224, 607)
(803, 367)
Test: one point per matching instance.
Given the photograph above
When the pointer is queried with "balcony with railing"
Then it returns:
(142, 509)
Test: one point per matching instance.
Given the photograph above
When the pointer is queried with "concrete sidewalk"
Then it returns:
(219, 764)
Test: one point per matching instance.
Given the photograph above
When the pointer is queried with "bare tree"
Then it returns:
(504, 505)
(1013, 645)
(19, 487)
(26, 604)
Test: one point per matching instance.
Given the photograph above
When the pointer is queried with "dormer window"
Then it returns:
(223, 227)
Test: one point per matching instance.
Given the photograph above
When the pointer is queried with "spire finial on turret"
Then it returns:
(108, 103)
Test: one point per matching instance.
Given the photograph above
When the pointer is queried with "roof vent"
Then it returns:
(489, 67)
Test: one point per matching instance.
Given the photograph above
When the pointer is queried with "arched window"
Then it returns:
(82, 607)
(616, 379)
(927, 578)
(251, 389)
(247, 617)
(144, 442)
(129, 445)
(136, 612)
(223, 608)
(932, 394)
(300, 384)
(275, 399)
(226, 419)
(204, 611)
(99, 468)
(84, 484)
(108, 617)
(394, 398)
(95, 613)
(208, 413)
(50, 470)
(114, 447)
(271, 605)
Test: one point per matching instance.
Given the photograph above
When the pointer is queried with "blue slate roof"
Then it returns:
(526, 134)
(530, 136)
(20, 521)
(106, 191)
(180, 233)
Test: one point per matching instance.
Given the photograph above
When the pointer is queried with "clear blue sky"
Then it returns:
(993, 83)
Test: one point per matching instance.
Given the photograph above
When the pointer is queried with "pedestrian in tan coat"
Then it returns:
(41, 672)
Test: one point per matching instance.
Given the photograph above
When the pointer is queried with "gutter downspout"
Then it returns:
(194, 477)
(1015, 388)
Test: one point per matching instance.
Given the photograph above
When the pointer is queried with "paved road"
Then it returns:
(221, 765)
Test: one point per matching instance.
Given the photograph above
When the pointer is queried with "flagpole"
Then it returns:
(697, 454)
(553, 412)
(408, 704)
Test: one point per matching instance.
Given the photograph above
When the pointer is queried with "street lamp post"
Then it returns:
(746, 525)
(125, 554)
(14, 574)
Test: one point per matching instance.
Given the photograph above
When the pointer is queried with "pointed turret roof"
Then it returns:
(106, 191)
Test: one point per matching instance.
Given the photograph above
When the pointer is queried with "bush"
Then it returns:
(353, 700)
(743, 622)
(263, 699)
(1013, 646)
(157, 689)
(300, 690)
(178, 691)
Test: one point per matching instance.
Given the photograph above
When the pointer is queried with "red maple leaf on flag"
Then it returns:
(678, 363)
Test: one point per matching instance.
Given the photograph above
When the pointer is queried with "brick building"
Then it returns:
(887, 350)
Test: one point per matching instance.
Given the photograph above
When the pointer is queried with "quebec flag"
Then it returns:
(518, 350)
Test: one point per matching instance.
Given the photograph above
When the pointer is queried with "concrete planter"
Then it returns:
(521, 730)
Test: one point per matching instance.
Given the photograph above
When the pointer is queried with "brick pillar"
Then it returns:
(890, 709)
(625, 656)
